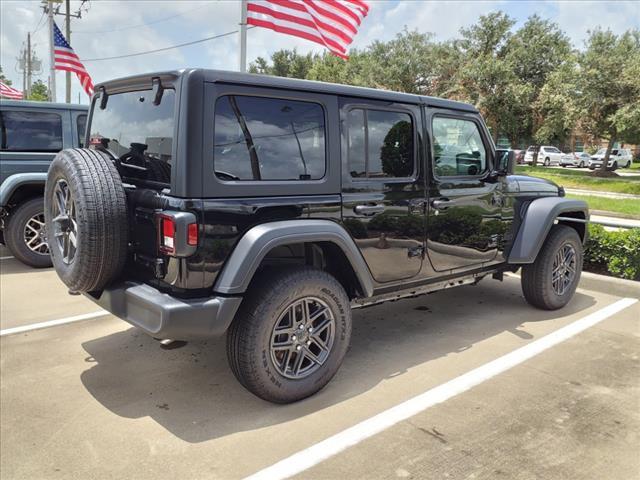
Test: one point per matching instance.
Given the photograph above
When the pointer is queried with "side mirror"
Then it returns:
(505, 162)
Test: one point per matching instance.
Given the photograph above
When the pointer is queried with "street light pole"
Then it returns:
(52, 81)
(68, 34)
(243, 36)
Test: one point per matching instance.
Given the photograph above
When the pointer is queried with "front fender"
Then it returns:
(13, 182)
(260, 240)
(536, 223)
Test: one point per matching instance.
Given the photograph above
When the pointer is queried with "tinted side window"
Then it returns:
(82, 126)
(381, 144)
(31, 132)
(457, 147)
(268, 139)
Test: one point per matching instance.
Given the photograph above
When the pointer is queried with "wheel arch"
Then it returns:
(20, 187)
(540, 215)
(343, 259)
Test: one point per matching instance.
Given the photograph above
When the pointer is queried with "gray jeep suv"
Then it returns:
(31, 134)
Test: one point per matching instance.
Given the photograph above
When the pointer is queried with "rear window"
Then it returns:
(30, 131)
(138, 132)
(259, 138)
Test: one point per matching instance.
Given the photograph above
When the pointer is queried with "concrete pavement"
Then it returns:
(99, 399)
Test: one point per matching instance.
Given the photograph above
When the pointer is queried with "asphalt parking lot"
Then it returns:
(98, 399)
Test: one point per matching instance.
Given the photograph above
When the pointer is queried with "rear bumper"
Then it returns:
(163, 316)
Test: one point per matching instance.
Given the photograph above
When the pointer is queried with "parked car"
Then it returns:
(547, 155)
(267, 208)
(575, 159)
(32, 133)
(519, 155)
(619, 157)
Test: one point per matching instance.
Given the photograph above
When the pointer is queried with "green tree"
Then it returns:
(556, 106)
(284, 63)
(609, 87)
(535, 51)
(486, 76)
(39, 92)
(4, 79)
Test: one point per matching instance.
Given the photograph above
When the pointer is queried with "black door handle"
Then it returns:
(368, 209)
(441, 204)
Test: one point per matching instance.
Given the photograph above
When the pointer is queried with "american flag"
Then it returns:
(66, 59)
(9, 92)
(332, 23)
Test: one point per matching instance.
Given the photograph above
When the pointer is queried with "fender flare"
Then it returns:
(536, 223)
(261, 239)
(15, 181)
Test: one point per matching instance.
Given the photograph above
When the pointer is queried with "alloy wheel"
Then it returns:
(564, 269)
(65, 226)
(302, 338)
(35, 235)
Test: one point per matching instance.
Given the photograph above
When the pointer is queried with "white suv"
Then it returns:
(547, 155)
(619, 158)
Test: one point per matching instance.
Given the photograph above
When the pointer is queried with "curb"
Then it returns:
(612, 285)
(604, 284)
(604, 213)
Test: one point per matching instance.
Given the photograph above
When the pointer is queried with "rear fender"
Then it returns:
(260, 240)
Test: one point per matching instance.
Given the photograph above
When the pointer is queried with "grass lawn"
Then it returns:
(624, 206)
(570, 178)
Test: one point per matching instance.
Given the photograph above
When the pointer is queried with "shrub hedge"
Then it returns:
(614, 253)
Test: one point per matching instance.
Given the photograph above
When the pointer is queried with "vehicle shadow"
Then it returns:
(192, 393)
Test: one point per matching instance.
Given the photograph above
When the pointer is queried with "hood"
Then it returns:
(528, 184)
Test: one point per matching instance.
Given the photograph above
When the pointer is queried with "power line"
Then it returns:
(162, 49)
(86, 32)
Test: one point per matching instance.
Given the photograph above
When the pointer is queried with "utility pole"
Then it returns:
(68, 34)
(28, 64)
(52, 88)
(243, 36)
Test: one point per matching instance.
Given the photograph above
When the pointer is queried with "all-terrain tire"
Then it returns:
(98, 202)
(21, 229)
(547, 162)
(536, 278)
(249, 338)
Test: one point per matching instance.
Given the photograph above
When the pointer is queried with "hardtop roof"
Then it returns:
(42, 105)
(291, 84)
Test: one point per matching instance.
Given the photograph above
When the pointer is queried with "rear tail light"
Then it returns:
(192, 234)
(177, 233)
(167, 235)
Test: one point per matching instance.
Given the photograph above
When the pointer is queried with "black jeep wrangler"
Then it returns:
(267, 208)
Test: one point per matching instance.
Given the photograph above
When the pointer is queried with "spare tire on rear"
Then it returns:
(86, 219)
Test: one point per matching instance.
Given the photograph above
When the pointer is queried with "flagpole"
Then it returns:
(51, 52)
(243, 36)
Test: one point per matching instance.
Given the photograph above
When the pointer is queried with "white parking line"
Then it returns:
(315, 454)
(7, 258)
(52, 323)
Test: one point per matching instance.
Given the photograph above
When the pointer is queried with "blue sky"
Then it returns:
(93, 36)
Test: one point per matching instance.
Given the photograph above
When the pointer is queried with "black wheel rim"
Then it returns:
(65, 226)
(302, 338)
(35, 235)
(564, 269)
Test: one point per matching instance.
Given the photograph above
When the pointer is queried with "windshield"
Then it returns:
(138, 132)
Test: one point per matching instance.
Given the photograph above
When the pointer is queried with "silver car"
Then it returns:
(575, 159)
(619, 158)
